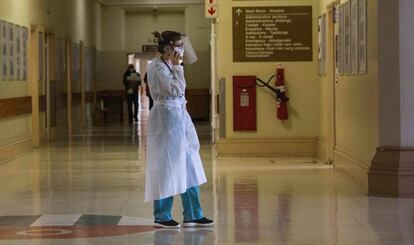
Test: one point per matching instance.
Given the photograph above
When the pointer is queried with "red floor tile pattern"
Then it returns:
(68, 232)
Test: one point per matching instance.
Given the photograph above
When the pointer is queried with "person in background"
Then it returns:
(147, 91)
(132, 81)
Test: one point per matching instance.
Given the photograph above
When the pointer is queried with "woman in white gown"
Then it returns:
(173, 160)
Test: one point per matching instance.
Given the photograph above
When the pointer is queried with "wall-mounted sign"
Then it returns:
(25, 39)
(354, 37)
(362, 40)
(211, 9)
(272, 34)
(11, 54)
(18, 57)
(149, 48)
(4, 57)
(347, 38)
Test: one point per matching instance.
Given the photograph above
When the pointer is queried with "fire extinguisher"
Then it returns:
(279, 90)
(282, 99)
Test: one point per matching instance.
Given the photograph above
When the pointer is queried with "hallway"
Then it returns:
(90, 190)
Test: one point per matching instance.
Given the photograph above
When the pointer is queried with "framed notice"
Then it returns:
(340, 42)
(347, 38)
(272, 33)
(64, 64)
(25, 40)
(75, 49)
(88, 65)
(4, 57)
(354, 37)
(58, 59)
(85, 64)
(40, 46)
(18, 43)
(322, 44)
(10, 42)
(362, 36)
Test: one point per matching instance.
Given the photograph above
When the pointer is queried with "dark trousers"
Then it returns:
(133, 102)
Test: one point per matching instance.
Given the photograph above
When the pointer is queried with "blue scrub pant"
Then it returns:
(191, 205)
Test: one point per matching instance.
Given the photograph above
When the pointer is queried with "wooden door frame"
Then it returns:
(34, 82)
(331, 78)
(68, 48)
(50, 76)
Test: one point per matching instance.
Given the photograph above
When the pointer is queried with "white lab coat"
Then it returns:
(173, 159)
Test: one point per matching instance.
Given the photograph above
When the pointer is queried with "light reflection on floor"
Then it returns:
(253, 200)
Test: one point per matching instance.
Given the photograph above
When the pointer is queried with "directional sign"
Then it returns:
(211, 9)
(272, 33)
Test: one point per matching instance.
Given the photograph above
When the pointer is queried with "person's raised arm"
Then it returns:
(168, 83)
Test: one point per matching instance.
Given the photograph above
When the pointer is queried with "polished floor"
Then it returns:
(89, 189)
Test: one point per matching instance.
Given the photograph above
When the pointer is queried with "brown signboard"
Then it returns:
(272, 33)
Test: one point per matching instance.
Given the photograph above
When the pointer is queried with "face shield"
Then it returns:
(190, 56)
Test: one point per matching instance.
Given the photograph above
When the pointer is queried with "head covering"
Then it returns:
(167, 38)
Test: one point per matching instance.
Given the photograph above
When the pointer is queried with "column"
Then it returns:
(392, 168)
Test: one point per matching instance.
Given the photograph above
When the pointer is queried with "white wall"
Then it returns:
(407, 72)
(198, 29)
(356, 105)
(126, 31)
(140, 25)
(75, 19)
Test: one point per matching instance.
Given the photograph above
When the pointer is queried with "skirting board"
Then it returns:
(14, 149)
(355, 168)
(322, 153)
(266, 147)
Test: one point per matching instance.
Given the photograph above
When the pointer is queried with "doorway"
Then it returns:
(141, 62)
(40, 87)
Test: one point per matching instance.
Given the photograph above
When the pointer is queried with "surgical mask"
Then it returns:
(179, 50)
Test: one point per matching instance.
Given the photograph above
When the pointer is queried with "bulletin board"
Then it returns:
(347, 38)
(18, 58)
(13, 48)
(352, 38)
(341, 39)
(362, 36)
(10, 43)
(25, 40)
(59, 56)
(64, 61)
(75, 53)
(88, 64)
(322, 44)
(4, 57)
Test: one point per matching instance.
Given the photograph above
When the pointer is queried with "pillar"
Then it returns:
(392, 169)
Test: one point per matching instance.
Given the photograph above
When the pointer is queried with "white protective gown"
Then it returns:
(173, 159)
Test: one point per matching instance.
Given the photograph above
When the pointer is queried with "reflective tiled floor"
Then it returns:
(89, 189)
